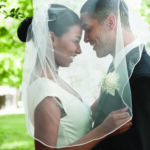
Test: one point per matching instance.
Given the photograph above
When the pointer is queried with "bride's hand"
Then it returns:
(115, 119)
(122, 129)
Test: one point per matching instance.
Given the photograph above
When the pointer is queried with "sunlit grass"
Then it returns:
(13, 134)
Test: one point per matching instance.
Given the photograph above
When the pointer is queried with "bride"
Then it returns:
(56, 115)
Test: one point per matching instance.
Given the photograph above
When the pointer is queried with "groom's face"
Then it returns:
(97, 34)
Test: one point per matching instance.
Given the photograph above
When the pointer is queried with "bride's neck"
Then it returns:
(48, 73)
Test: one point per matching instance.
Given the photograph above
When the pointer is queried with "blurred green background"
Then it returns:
(13, 134)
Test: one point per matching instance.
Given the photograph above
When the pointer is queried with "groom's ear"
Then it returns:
(111, 22)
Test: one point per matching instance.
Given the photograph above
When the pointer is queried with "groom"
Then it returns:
(99, 32)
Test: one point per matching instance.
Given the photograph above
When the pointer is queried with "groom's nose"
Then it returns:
(86, 37)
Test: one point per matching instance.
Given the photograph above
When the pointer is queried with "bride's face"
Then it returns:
(67, 46)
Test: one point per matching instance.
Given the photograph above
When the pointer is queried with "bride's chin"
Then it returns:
(66, 64)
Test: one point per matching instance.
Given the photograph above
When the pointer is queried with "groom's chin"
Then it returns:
(100, 54)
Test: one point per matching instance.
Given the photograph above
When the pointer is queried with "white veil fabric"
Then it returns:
(45, 92)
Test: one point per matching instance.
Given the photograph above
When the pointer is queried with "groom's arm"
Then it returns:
(141, 112)
(94, 105)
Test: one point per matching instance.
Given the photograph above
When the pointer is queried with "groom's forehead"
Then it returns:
(86, 18)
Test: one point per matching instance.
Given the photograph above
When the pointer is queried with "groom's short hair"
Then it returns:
(100, 9)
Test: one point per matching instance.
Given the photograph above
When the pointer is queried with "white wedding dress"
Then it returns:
(78, 119)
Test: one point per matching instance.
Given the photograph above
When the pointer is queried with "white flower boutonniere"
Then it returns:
(109, 83)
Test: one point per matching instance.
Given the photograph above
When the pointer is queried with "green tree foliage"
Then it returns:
(145, 12)
(11, 49)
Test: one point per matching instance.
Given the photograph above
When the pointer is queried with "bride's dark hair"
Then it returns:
(60, 20)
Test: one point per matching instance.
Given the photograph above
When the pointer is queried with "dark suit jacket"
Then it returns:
(138, 136)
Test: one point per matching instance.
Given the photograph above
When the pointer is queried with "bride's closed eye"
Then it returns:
(76, 41)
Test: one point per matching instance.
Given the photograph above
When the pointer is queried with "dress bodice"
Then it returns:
(78, 119)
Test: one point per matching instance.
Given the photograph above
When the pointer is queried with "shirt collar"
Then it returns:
(131, 46)
(123, 52)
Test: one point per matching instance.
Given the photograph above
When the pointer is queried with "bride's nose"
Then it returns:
(78, 50)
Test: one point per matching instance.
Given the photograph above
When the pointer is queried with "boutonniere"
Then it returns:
(109, 83)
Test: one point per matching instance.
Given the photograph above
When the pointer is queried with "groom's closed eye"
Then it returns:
(87, 30)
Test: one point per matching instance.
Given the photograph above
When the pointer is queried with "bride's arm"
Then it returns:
(114, 120)
(50, 126)
(46, 123)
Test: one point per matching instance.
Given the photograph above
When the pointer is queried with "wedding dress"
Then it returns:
(78, 120)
